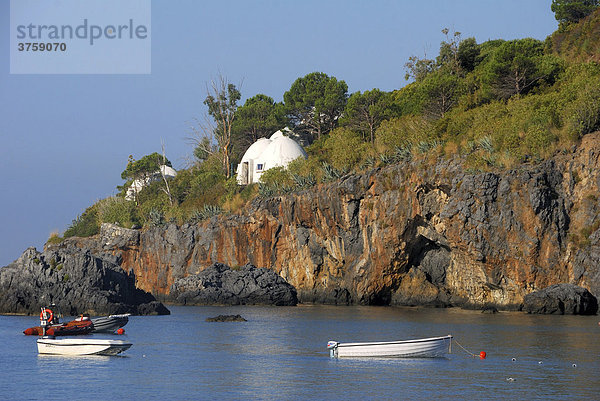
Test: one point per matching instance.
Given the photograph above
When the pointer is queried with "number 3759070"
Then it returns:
(41, 47)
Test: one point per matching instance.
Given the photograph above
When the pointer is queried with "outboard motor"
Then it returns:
(332, 346)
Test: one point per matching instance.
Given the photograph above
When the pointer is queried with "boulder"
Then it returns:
(491, 310)
(226, 318)
(222, 285)
(561, 299)
(75, 280)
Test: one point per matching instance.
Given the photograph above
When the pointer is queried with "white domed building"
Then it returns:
(264, 154)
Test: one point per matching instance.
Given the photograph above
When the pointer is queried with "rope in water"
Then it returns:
(468, 352)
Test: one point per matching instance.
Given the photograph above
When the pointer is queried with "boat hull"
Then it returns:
(110, 323)
(85, 346)
(420, 348)
(72, 328)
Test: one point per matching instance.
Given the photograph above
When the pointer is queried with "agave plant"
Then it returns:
(195, 216)
(486, 144)
(385, 159)
(370, 162)
(156, 217)
(266, 191)
(303, 182)
(209, 211)
(402, 153)
(330, 173)
(426, 146)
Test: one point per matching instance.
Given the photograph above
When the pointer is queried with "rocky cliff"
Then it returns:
(76, 280)
(418, 233)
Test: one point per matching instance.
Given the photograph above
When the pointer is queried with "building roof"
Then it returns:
(281, 151)
(256, 149)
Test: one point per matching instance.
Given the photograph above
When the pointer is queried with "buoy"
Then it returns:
(482, 355)
(574, 365)
(514, 359)
(121, 331)
(540, 362)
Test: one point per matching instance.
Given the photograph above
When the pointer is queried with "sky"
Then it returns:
(66, 138)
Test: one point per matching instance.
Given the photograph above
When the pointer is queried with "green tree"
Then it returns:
(468, 53)
(517, 66)
(259, 117)
(448, 55)
(365, 111)
(222, 97)
(441, 91)
(568, 11)
(315, 102)
(417, 68)
(455, 55)
(146, 167)
(204, 148)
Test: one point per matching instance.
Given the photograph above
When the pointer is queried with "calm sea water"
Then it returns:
(280, 353)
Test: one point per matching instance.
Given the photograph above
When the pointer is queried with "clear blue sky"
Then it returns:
(65, 138)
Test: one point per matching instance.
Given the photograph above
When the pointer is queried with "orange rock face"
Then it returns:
(408, 234)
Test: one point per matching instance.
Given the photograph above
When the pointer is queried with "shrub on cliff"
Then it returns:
(117, 210)
(346, 149)
(399, 132)
(84, 225)
(580, 96)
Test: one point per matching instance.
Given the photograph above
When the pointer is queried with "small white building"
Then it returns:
(264, 154)
(139, 184)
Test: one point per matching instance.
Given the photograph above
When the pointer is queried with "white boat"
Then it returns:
(81, 346)
(419, 348)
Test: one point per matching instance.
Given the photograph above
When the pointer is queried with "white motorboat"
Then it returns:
(81, 346)
(418, 348)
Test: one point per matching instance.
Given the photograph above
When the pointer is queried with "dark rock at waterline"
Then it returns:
(76, 281)
(219, 284)
(226, 318)
(489, 310)
(561, 299)
(152, 308)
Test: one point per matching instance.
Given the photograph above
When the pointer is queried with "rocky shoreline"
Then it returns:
(77, 282)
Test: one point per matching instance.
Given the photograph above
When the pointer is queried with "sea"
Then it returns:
(280, 354)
